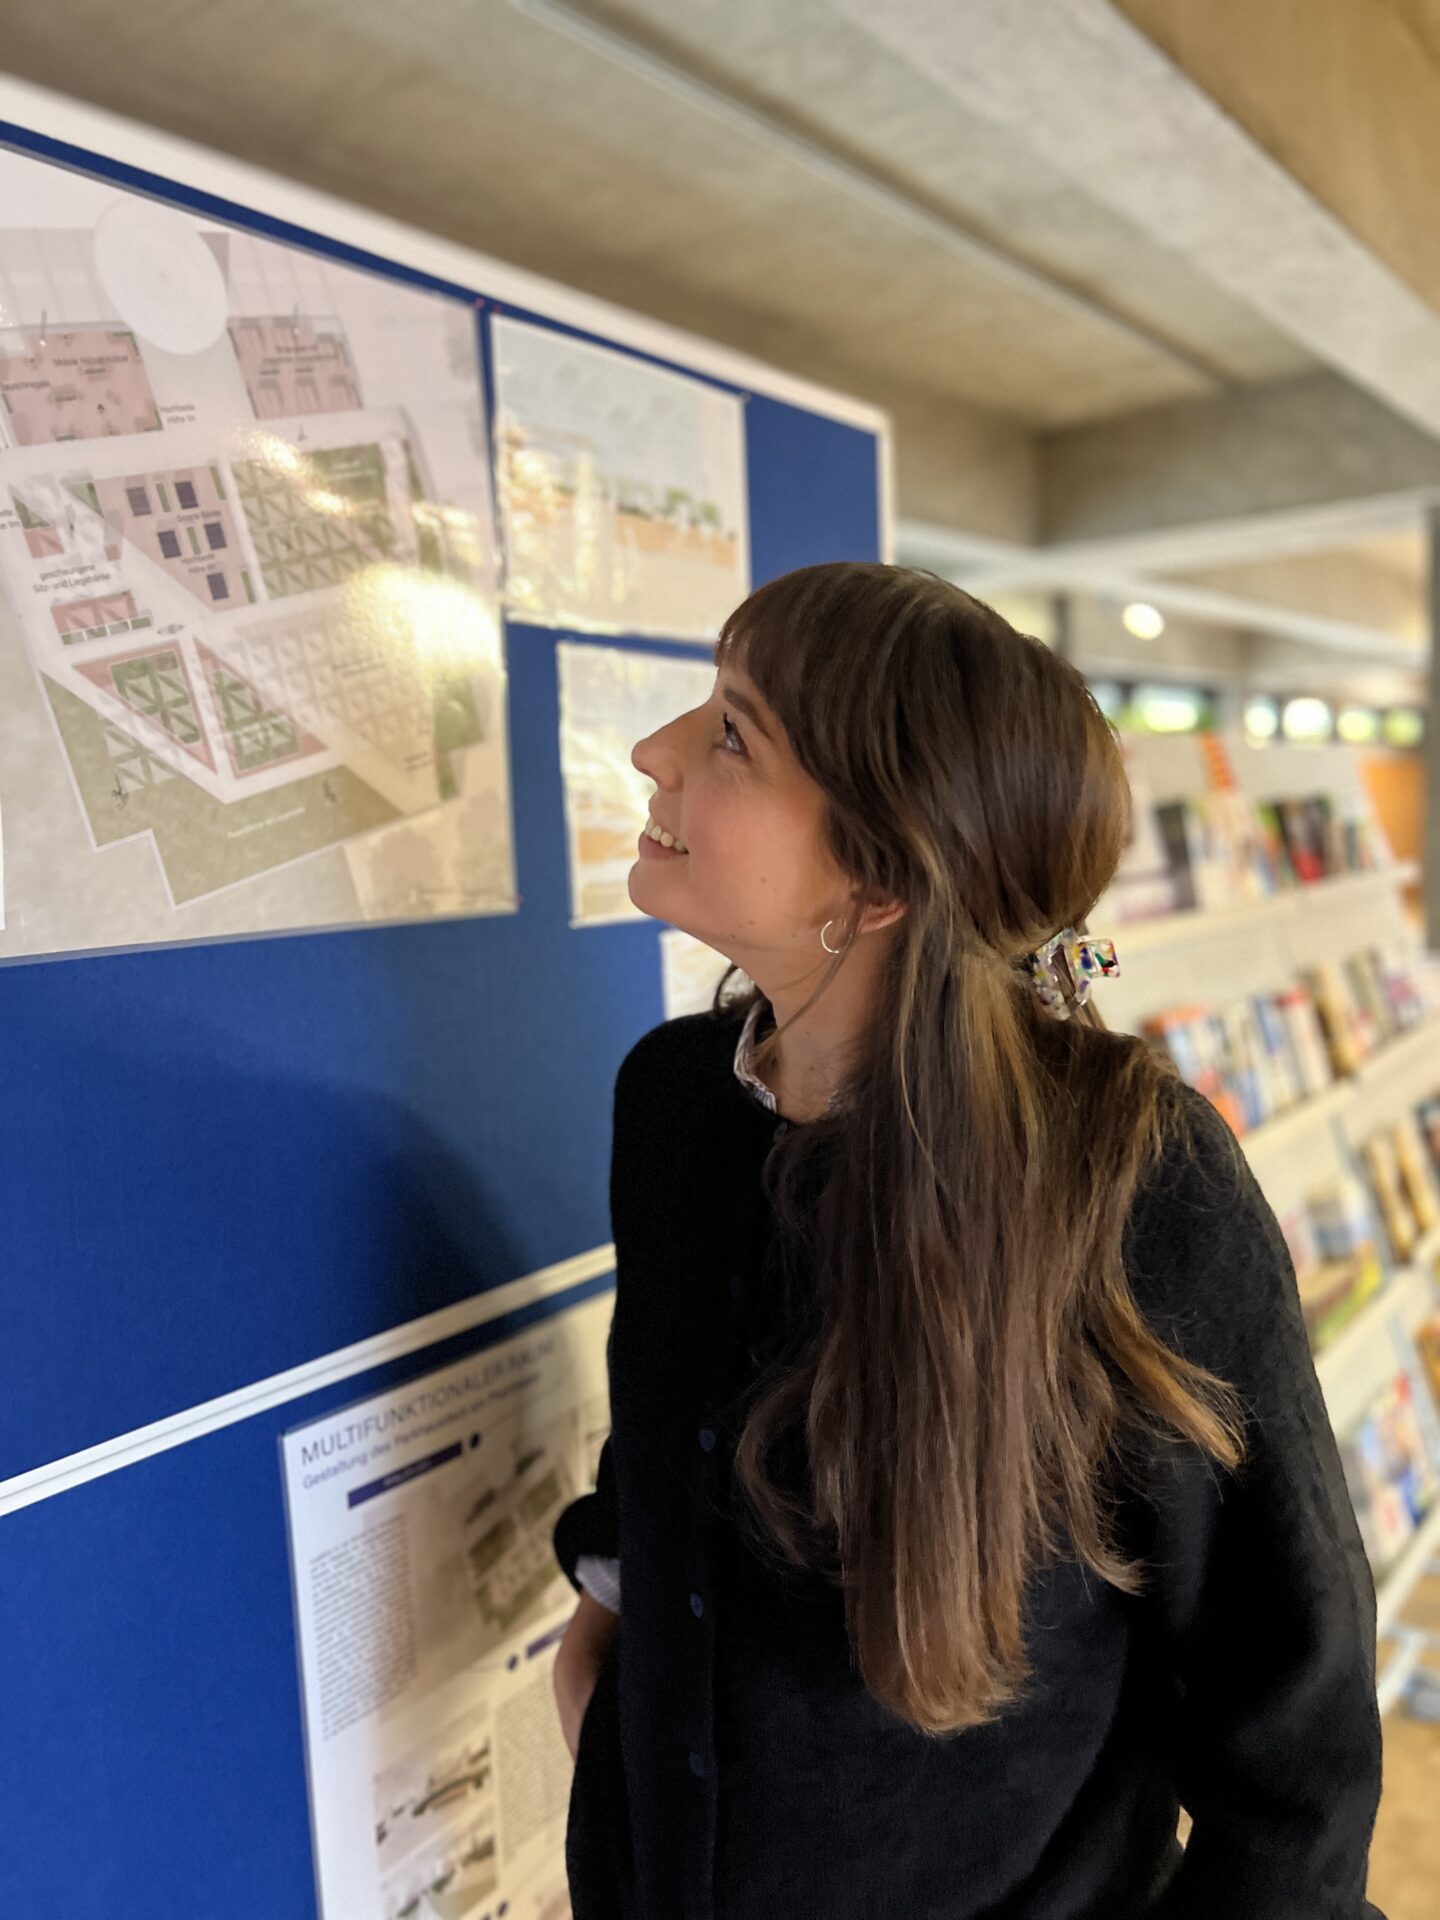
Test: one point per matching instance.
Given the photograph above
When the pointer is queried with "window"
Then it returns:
(1167, 709)
(1109, 696)
(1262, 717)
(139, 500)
(1404, 727)
(170, 543)
(215, 534)
(185, 493)
(217, 586)
(1358, 726)
(1307, 719)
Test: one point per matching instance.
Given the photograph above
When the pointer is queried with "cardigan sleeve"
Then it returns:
(1259, 1603)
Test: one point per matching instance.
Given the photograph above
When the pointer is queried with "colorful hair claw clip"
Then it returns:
(1064, 967)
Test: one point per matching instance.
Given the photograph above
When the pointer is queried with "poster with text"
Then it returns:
(690, 972)
(428, 1605)
(610, 699)
(252, 671)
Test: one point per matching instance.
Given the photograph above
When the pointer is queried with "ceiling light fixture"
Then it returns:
(1143, 620)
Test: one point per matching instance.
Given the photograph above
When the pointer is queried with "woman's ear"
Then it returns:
(880, 913)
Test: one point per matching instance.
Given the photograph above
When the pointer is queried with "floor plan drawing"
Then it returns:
(249, 603)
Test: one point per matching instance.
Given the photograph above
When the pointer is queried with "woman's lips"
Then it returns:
(652, 850)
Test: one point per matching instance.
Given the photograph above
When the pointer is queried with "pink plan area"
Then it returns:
(80, 385)
(291, 367)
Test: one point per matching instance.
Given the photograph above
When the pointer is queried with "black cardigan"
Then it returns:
(731, 1764)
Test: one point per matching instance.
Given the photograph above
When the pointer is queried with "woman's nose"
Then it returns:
(652, 757)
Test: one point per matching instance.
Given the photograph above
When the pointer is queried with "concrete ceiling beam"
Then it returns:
(1095, 97)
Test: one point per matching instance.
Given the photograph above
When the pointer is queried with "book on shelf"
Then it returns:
(1275, 853)
(1418, 1178)
(1331, 1240)
(1306, 1036)
(1377, 1155)
(1205, 851)
(1427, 1341)
(1390, 1472)
(1283, 1072)
(1253, 1057)
(1347, 1037)
(1427, 1120)
(1143, 886)
(1182, 835)
(1403, 1182)
(1306, 826)
(1260, 1054)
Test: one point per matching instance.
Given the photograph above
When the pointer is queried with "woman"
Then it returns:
(970, 1504)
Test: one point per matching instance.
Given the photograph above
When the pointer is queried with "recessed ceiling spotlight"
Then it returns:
(1143, 620)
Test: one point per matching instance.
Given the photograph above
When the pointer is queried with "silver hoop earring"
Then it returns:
(825, 943)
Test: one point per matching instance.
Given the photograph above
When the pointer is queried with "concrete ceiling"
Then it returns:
(759, 169)
(1104, 315)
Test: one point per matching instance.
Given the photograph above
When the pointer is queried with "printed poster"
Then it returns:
(428, 1606)
(690, 972)
(622, 488)
(252, 674)
(611, 698)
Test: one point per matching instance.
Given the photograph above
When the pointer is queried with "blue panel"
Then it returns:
(814, 489)
(153, 1728)
(219, 1161)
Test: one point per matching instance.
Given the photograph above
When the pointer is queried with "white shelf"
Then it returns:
(1283, 1130)
(1336, 886)
(1401, 1580)
(1354, 1368)
(1408, 1048)
(1137, 936)
(1418, 1040)
(1394, 1675)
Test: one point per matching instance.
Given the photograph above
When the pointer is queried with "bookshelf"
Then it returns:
(1169, 929)
(1199, 957)
(1397, 1587)
(1410, 1643)
(1399, 1584)
(1398, 1059)
(1378, 1342)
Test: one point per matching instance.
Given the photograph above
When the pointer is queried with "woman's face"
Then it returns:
(758, 881)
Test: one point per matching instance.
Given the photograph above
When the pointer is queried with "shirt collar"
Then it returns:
(745, 1059)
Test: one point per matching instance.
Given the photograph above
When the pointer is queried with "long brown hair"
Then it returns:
(976, 1361)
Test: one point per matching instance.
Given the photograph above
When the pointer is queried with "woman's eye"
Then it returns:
(731, 733)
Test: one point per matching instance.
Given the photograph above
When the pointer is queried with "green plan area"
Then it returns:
(317, 526)
(204, 843)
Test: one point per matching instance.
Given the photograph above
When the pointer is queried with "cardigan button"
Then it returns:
(707, 1439)
(697, 1765)
(697, 1605)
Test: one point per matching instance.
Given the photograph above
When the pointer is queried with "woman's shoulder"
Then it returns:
(667, 1059)
(1202, 1243)
(1201, 1167)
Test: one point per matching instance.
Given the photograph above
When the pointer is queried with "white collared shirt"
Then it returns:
(744, 1055)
